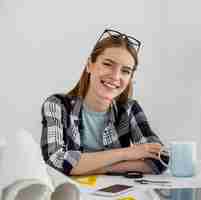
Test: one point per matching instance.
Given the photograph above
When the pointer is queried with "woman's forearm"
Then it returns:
(98, 160)
(133, 155)
(134, 165)
(123, 166)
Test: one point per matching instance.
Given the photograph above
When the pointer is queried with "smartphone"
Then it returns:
(114, 190)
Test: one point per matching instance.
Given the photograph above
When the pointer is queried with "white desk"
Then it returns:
(140, 191)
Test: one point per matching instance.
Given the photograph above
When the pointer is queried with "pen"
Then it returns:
(145, 181)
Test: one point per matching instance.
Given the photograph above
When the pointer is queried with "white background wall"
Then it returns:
(44, 45)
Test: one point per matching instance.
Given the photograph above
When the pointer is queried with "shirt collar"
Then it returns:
(78, 103)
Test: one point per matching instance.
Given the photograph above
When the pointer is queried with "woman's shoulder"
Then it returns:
(131, 106)
(129, 103)
(61, 99)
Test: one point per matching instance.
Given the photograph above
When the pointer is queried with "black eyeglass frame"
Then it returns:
(131, 40)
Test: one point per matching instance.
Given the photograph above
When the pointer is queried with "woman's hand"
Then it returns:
(141, 151)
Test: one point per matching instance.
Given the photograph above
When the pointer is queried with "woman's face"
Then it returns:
(111, 73)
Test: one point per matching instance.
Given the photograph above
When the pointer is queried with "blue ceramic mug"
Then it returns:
(182, 158)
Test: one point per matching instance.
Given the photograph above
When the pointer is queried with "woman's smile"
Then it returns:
(110, 85)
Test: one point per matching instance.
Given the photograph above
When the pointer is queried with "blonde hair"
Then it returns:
(82, 85)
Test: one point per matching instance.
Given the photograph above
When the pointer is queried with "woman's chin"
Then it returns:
(107, 99)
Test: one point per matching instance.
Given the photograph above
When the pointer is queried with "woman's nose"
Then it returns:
(116, 74)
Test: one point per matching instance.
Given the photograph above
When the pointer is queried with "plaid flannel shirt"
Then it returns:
(60, 141)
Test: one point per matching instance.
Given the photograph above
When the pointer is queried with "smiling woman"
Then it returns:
(97, 127)
(109, 77)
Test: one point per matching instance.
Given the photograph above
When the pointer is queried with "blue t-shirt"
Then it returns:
(93, 126)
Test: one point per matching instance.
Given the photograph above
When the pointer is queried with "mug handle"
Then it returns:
(164, 151)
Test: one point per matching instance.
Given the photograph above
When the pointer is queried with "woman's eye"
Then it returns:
(125, 71)
(107, 64)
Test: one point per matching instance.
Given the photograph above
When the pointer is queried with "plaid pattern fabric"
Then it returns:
(60, 140)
